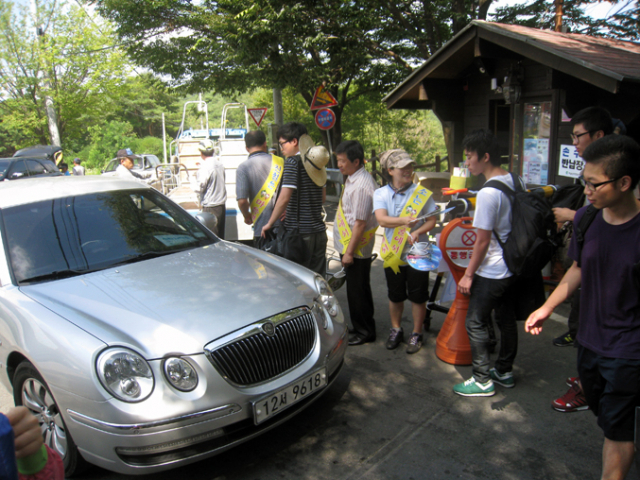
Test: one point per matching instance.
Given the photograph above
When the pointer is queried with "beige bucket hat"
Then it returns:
(314, 159)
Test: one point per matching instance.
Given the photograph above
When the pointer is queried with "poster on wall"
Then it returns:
(535, 168)
(570, 163)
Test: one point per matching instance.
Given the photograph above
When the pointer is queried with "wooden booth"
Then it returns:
(524, 84)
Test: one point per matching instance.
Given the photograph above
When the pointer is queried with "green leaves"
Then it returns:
(622, 21)
(75, 62)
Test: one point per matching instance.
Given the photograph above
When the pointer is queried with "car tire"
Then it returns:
(30, 390)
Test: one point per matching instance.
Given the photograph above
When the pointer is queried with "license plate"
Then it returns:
(273, 404)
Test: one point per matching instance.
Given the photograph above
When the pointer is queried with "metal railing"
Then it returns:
(169, 176)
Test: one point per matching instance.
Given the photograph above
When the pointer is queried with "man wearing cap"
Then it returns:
(397, 207)
(124, 170)
(354, 232)
(305, 196)
(209, 185)
(257, 181)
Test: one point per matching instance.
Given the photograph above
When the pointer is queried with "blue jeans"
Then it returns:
(486, 295)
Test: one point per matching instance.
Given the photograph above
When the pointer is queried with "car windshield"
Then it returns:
(70, 236)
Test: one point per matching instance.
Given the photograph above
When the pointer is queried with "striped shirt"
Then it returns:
(310, 199)
(357, 204)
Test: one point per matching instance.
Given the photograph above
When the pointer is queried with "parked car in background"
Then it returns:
(48, 152)
(140, 340)
(16, 168)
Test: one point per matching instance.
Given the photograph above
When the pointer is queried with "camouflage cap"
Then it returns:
(395, 158)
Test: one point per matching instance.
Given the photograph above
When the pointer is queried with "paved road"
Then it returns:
(393, 416)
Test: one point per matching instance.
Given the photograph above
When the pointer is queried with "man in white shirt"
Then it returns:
(487, 278)
(124, 170)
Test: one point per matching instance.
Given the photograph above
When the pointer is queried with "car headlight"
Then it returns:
(180, 374)
(327, 298)
(125, 374)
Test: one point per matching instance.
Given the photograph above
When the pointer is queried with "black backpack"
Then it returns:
(533, 239)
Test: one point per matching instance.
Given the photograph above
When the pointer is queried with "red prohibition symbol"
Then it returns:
(469, 238)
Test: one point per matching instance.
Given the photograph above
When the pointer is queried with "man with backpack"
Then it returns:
(487, 279)
(606, 266)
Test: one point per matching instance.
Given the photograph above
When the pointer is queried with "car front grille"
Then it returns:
(256, 357)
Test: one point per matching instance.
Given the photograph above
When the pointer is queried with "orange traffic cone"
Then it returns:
(456, 241)
(452, 344)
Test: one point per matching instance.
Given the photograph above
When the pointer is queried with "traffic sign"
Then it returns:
(257, 114)
(323, 99)
(325, 119)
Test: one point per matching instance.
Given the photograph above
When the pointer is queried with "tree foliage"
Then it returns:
(622, 21)
(228, 46)
(73, 61)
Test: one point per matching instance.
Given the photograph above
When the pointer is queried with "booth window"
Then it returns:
(536, 130)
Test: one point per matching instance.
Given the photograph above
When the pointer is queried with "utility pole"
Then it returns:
(52, 118)
(558, 16)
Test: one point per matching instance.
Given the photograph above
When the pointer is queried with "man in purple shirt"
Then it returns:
(606, 267)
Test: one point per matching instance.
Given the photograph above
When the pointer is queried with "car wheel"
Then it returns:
(30, 390)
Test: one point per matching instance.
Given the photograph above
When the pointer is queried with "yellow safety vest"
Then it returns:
(391, 252)
(264, 195)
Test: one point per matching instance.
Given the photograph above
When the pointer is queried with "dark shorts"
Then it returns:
(409, 284)
(612, 389)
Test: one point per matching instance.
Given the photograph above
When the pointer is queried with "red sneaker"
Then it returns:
(572, 401)
(571, 381)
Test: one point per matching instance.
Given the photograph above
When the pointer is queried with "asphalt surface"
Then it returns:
(390, 415)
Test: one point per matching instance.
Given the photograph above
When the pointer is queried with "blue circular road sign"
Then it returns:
(325, 119)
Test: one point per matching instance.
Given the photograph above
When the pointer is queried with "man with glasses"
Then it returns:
(607, 267)
(589, 125)
(303, 192)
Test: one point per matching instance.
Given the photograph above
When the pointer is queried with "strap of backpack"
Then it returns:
(580, 229)
(510, 193)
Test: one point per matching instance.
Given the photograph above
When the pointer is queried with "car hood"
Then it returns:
(179, 302)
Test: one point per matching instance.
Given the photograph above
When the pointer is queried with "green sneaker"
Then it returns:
(471, 388)
(504, 379)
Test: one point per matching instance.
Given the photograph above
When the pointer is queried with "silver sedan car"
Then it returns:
(139, 339)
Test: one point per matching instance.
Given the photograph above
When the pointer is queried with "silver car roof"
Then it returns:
(30, 190)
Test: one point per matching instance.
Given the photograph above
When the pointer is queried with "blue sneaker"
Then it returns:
(471, 388)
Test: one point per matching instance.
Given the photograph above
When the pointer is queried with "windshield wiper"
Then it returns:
(141, 256)
(56, 275)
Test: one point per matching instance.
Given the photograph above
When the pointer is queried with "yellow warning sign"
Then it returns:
(323, 99)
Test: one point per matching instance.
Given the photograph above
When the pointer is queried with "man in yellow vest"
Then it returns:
(397, 207)
(354, 232)
(257, 180)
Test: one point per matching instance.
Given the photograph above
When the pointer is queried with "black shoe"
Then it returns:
(359, 340)
(565, 340)
(395, 337)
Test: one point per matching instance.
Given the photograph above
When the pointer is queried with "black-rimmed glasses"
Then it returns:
(575, 137)
(594, 186)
